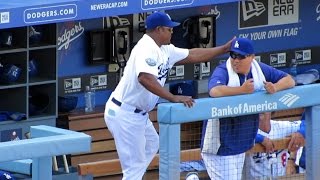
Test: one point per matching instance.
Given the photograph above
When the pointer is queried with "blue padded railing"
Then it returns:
(172, 115)
(45, 142)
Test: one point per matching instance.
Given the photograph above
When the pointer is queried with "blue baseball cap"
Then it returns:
(160, 19)
(6, 175)
(242, 46)
(185, 89)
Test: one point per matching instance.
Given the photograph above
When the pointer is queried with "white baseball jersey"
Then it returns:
(135, 137)
(146, 57)
(257, 164)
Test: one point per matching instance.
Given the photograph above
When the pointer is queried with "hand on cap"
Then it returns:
(227, 46)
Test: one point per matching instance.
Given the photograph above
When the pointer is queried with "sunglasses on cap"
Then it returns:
(235, 55)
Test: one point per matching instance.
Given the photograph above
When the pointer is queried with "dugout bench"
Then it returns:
(105, 164)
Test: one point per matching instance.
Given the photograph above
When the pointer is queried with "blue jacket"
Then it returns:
(237, 134)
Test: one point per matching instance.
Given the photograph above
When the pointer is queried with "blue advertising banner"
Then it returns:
(72, 47)
(271, 24)
(16, 13)
(254, 103)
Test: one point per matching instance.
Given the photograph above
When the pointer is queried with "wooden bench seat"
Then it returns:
(190, 142)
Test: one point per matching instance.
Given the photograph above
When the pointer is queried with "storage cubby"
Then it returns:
(13, 38)
(42, 35)
(13, 99)
(34, 92)
(15, 60)
(42, 100)
(44, 63)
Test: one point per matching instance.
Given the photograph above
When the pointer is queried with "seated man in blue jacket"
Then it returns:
(226, 140)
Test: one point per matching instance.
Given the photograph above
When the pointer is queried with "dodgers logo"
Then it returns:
(163, 71)
(318, 12)
(70, 35)
(236, 45)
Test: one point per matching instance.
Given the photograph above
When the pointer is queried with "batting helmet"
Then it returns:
(33, 67)
(9, 73)
(34, 35)
(67, 103)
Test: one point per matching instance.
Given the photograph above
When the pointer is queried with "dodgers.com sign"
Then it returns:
(50, 13)
(156, 4)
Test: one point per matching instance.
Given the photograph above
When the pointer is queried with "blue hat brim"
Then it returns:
(173, 24)
(239, 52)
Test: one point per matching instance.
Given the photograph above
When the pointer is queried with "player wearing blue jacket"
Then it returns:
(226, 140)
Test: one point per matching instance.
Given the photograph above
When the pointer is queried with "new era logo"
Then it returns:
(251, 8)
(278, 59)
(4, 17)
(254, 13)
(74, 83)
(303, 55)
(288, 99)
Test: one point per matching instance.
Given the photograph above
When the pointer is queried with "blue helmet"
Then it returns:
(33, 67)
(9, 73)
(67, 103)
(34, 35)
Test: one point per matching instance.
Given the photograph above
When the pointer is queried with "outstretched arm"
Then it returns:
(198, 55)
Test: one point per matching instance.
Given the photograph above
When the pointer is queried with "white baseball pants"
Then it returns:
(135, 137)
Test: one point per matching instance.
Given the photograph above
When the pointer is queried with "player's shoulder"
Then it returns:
(168, 48)
(222, 67)
(265, 66)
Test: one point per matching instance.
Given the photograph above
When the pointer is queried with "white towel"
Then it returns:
(257, 74)
(211, 143)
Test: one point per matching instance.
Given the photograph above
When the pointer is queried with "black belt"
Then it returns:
(119, 104)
